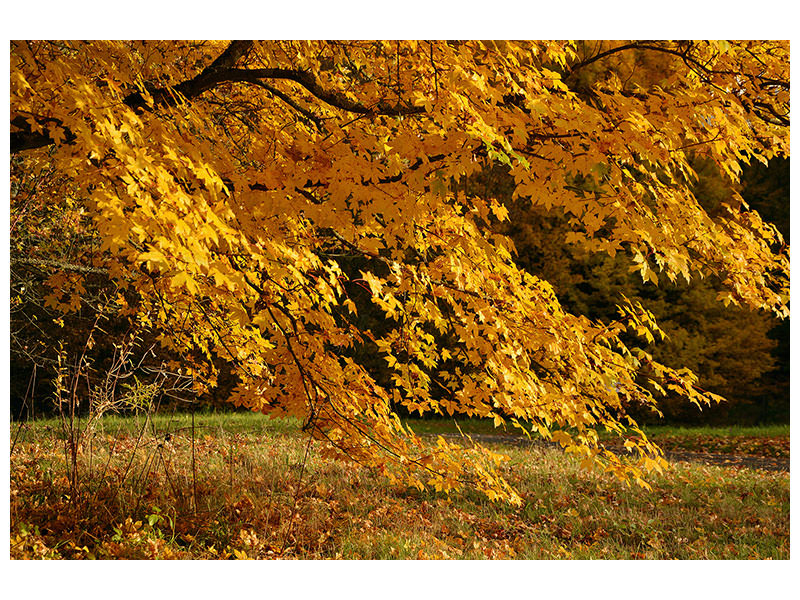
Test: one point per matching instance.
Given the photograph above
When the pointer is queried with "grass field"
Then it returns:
(244, 486)
(770, 441)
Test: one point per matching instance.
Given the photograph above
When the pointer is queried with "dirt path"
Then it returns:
(707, 458)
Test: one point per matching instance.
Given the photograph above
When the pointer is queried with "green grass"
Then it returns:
(486, 426)
(256, 423)
(254, 493)
(719, 431)
(166, 423)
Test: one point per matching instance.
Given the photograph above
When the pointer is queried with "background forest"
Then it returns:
(740, 354)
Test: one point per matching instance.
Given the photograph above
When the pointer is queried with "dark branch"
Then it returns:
(26, 139)
(60, 264)
(218, 72)
(705, 73)
(332, 98)
(210, 77)
(291, 102)
(780, 118)
(602, 55)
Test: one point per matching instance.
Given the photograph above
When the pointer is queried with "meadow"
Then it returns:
(243, 486)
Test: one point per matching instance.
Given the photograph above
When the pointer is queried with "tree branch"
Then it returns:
(330, 97)
(291, 102)
(596, 57)
(218, 72)
(26, 139)
(59, 264)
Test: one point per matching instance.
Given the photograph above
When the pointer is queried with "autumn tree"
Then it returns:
(766, 188)
(229, 183)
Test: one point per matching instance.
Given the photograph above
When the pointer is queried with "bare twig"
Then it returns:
(194, 470)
